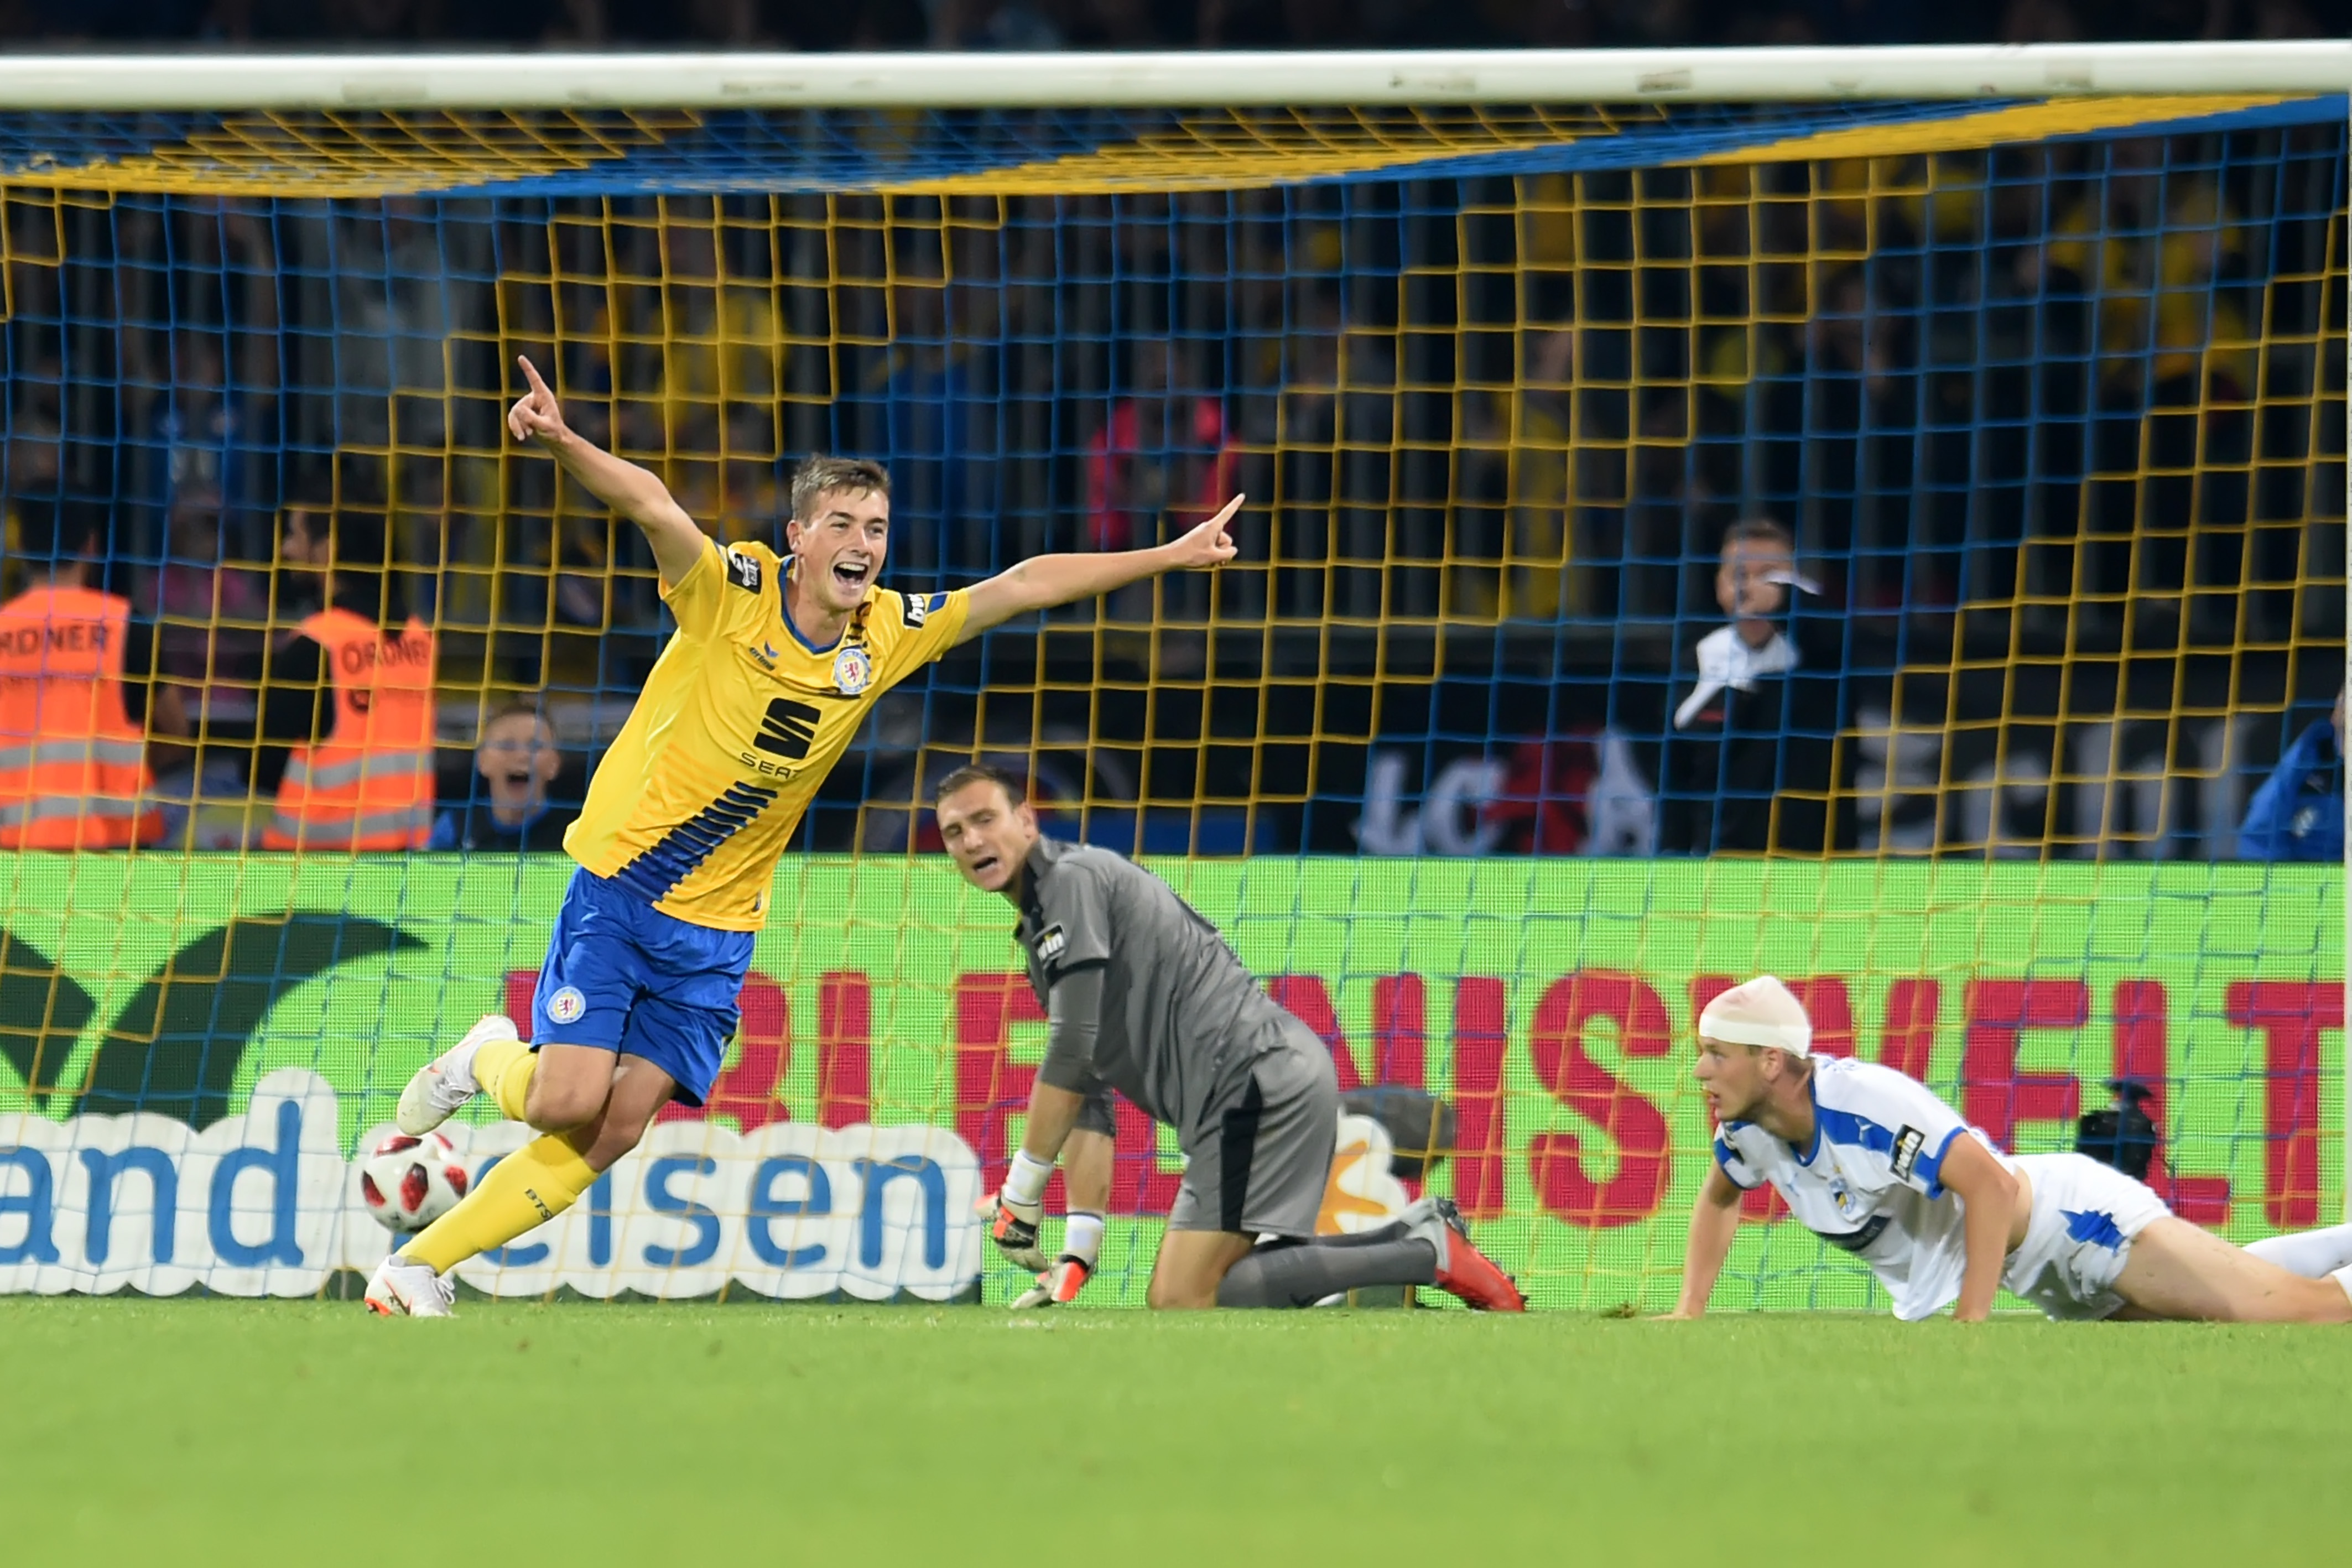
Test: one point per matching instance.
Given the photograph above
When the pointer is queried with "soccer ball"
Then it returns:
(408, 1183)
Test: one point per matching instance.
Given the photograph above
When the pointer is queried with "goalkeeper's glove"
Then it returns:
(1013, 1225)
(1058, 1285)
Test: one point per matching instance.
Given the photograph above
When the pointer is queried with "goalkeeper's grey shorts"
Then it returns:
(1258, 1161)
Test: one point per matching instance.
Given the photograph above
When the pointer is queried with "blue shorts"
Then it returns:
(622, 976)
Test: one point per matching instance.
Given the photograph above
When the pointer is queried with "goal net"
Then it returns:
(2010, 384)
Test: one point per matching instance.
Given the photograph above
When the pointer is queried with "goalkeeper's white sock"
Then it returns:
(2344, 1278)
(1082, 1238)
(2310, 1253)
(1025, 1181)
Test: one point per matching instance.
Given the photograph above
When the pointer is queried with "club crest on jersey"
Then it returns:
(1906, 1152)
(1052, 942)
(742, 571)
(566, 1005)
(853, 669)
(1842, 1195)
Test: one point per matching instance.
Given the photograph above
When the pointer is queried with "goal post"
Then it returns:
(2035, 357)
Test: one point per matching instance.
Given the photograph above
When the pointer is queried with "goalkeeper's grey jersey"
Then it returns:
(1181, 1020)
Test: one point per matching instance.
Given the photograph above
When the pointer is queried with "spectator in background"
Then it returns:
(1581, 794)
(209, 634)
(34, 453)
(209, 616)
(201, 442)
(1747, 766)
(518, 761)
(2298, 813)
(1161, 451)
(348, 696)
(73, 692)
(1522, 440)
(991, 25)
(1162, 454)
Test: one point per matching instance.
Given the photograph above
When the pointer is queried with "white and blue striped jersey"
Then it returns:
(1871, 1182)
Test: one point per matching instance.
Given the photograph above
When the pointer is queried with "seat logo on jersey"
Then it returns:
(742, 571)
(1052, 942)
(916, 608)
(1906, 1152)
(787, 729)
(566, 1005)
(853, 669)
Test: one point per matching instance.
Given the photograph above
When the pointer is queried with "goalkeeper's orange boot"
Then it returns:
(1058, 1285)
(1463, 1271)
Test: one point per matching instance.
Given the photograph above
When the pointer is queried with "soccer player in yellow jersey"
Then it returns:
(775, 664)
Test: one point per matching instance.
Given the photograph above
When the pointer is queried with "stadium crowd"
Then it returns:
(1157, 23)
(1514, 418)
(1091, 369)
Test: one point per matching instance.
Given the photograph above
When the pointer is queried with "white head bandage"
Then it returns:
(1761, 1012)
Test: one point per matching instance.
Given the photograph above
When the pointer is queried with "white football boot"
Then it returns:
(398, 1290)
(444, 1083)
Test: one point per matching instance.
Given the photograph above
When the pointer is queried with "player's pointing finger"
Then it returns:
(531, 373)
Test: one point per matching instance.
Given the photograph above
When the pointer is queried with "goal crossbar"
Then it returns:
(1352, 78)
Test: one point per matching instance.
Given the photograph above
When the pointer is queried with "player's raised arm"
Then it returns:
(1714, 1222)
(1988, 1194)
(1044, 582)
(634, 492)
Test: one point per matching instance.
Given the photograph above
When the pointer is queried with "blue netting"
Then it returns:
(2057, 426)
(611, 152)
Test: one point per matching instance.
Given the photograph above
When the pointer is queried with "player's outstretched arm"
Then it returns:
(1044, 582)
(634, 492)
(1714, 1222)
(1990, 1194)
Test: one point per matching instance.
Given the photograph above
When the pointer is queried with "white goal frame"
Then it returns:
(777, 80)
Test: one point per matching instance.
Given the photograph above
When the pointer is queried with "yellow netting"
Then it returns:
(2056, 426)
(2050, 416)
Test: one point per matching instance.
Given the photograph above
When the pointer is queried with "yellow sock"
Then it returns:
(503, 1069)
(529, 1187)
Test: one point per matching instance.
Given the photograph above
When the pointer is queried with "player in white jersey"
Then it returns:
(1874, 1163)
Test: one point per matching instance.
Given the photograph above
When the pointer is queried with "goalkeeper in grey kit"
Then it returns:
(1143, 996)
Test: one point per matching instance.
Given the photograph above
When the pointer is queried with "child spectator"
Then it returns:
(516, 761)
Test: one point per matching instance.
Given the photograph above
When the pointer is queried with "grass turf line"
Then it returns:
(265, 1432)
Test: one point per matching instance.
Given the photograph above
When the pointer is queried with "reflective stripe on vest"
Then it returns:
(375, 767)
(22, 814)
(97, 748)
(315, 834)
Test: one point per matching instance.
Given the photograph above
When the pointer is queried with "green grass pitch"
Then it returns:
(137, 1432)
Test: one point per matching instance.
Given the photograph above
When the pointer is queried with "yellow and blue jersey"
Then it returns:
(739, 723)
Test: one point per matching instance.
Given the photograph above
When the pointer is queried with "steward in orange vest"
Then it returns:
(359, 767)
(73, 764)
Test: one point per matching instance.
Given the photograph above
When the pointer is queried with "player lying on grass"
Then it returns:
(775, 662)
(1142, 995)
(1874, 1164)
